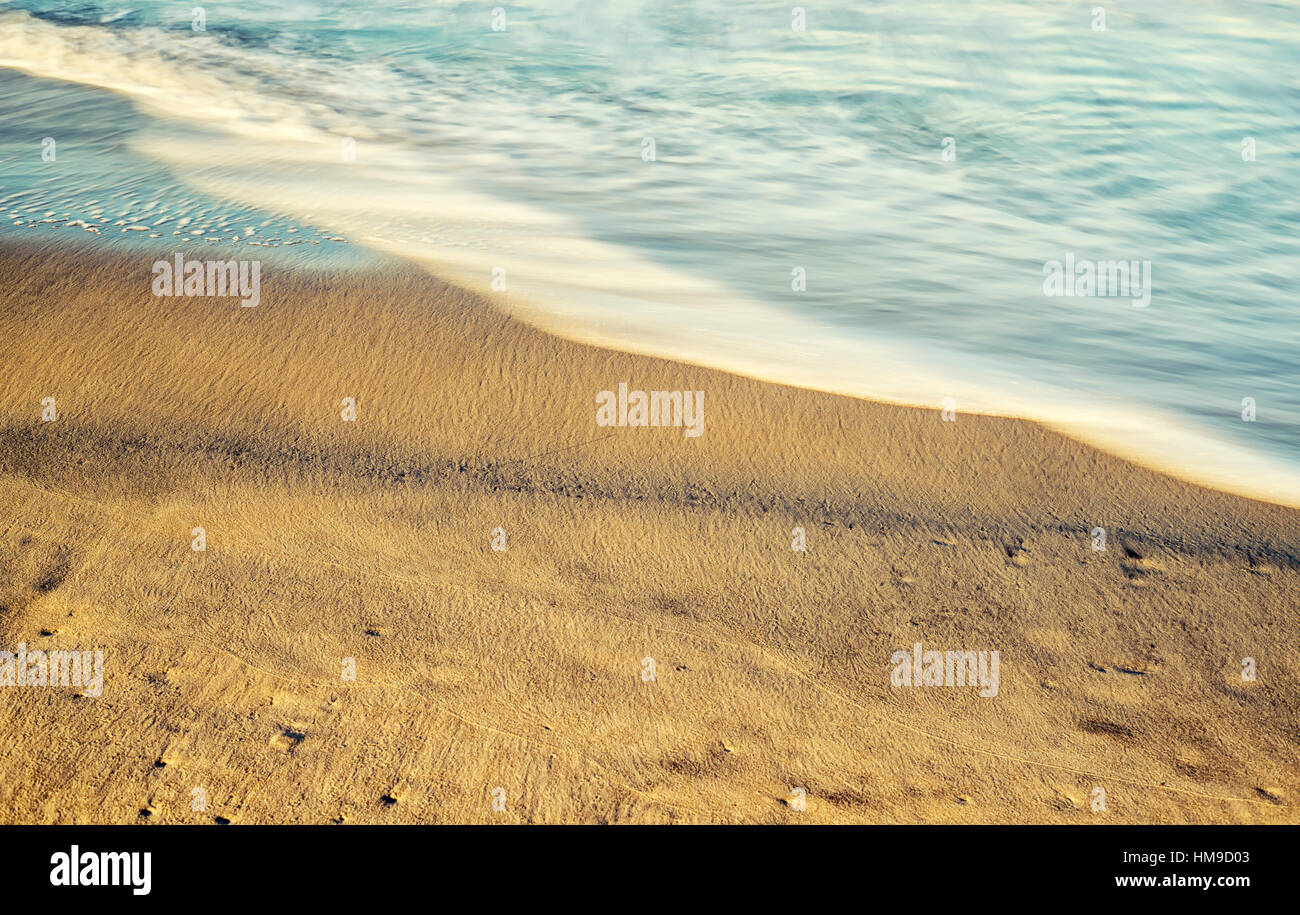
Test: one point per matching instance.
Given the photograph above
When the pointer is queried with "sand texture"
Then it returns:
(508, 685)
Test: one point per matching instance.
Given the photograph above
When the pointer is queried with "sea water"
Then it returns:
(859, 197)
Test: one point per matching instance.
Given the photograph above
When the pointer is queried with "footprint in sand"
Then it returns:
(1276, 795)
(1017, 552)
(288, 739)
(1065, 797)
(1127, 669)
(1137, 566)
(1106, 728)
(53, 570)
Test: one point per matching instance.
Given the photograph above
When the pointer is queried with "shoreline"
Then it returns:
(1150, 439)
(522, 667)
(1184, 442)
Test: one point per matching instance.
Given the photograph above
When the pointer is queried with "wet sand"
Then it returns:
(512, 685)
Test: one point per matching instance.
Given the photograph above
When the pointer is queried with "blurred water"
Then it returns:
(775, 149)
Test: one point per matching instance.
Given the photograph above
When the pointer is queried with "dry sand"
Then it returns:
(522, 669)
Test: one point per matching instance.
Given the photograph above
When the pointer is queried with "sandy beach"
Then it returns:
(496, 569)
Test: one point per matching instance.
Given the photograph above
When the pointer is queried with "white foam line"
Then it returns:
(563, 281)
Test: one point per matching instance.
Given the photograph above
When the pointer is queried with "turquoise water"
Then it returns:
(521, 149)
